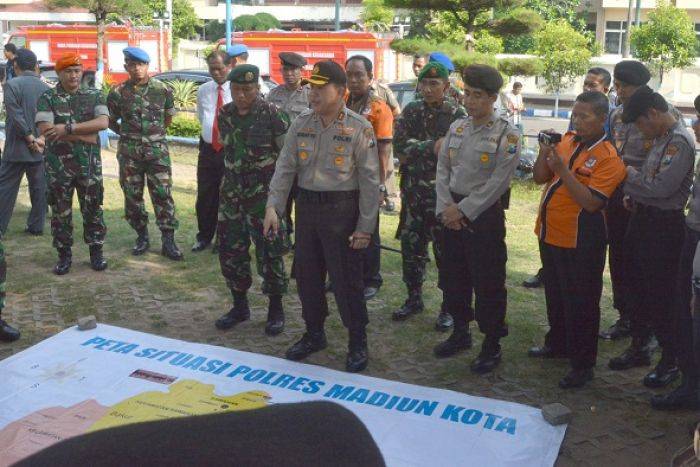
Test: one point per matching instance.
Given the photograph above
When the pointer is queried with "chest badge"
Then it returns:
(340, 148)
(485, 158)
(590, 162)
(303, 155)
(339, 161)
(302, 144)
(459, 130)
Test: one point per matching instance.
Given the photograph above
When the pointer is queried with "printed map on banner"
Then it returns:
(81, 381)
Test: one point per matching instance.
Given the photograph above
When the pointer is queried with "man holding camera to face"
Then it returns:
(581, 170)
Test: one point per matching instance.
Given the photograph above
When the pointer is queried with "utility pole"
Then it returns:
(626, 50)
(228, 23)
(169, 16)
(636, 18)
(337, 15)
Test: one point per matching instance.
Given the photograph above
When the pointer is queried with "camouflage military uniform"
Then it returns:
(415, 133)
(73, 165)
(251, 146)
(143, 153)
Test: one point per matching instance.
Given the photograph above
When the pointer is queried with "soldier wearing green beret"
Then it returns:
(252, 133)
(422, 123)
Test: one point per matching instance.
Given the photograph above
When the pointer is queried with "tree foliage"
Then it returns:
(256, 22)
(520, 66)
(473, 16)
(185, 20)
(564, 53)
(376, 16)
(547, 10)
(667, 40)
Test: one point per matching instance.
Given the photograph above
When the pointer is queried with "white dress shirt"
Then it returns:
(207, 96)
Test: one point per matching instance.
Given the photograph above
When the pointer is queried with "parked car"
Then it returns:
(199, 77)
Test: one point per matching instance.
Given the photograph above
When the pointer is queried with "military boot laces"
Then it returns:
(97, 260)
(65, 259)
(357, 357)
(275, 316)
(170, 249)
(142, 243)
(413, 305)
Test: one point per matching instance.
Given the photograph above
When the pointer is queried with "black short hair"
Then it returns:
(365, 61)
(639, 103)
(697, 104)
(517, 84)
(597, 100)
(219, 54)
(417, 56)
(603, 73)
(243, 56)
(10, 47)
(483, 77)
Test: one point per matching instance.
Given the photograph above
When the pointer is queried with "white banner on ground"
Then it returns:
(79, 381)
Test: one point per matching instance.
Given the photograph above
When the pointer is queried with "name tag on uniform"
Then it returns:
(344, 139)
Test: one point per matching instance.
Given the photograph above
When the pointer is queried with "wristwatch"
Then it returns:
(69, 128)
(382, 188)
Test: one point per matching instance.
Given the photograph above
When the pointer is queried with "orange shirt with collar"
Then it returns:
(561, 221)
(379, 115)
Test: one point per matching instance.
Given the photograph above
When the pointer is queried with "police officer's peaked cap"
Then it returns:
(236, 49)
(292, 59)
(244, 74)
(136, 54)
(433, 70)
(640, 102)
(327, 71)
(442, 59)
(632, 72)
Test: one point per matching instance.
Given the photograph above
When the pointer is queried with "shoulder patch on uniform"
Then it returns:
(369, 132)
(512, 139)
(590, 162)
(671, 150)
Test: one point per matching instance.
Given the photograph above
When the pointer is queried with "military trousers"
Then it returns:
(62, 181)
(617, 217)
(419, 227)
(141, 164)
(687, 310)
(240, 223)
(655, 238)
(210, 172)
(573, 285)
(475, 259)
(324, 223)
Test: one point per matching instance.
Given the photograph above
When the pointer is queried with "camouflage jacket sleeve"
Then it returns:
(113, 100)
(169, 105)
(44, 113)
(406, 147)
(280, 125)
(101, 108)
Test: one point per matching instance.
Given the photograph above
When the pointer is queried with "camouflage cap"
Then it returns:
(434, 70)
(244, 74)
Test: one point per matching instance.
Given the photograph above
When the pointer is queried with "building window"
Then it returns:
(615, 36)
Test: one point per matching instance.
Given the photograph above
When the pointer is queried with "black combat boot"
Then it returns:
(65, 259)
(239, 313)
(684, 397)
(7, 332)
(489, 357)
(310, 342)
(413, 305)
(357, 358)
(170, 249)
(619, 330)
(460, 339)
(444, 321)
(97, 260)
(637, 354)
(665, 372)
(275, 316)
(142, 243)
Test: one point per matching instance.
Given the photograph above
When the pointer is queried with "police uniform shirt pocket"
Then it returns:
(454, 146)
(485, 152)
(340, 158)
(305, 149)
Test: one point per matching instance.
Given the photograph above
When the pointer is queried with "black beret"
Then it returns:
(292, 59)
(632, 72)
(640, 102)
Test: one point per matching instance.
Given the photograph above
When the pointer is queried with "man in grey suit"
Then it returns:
(23, 148)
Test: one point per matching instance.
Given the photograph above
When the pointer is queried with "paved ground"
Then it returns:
(613, 424)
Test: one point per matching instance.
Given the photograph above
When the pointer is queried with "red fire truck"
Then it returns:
(49, 42)
(264, 48)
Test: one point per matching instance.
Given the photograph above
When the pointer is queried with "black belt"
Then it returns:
(250, 179)
(654, 211)
(323, 197)
(456, 197)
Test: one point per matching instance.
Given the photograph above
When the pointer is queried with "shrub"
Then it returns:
(184, 93)
(185, 126)
(520, 66)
